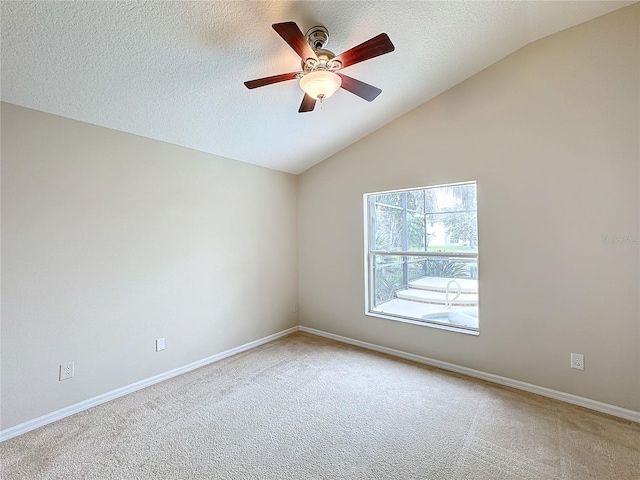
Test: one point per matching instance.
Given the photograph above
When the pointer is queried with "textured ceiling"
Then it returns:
(173, 71)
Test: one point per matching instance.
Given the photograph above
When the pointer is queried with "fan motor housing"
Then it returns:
(317, 37)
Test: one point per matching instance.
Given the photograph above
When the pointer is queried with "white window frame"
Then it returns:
(368, 266)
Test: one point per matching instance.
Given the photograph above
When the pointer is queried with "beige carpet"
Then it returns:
(306, 408)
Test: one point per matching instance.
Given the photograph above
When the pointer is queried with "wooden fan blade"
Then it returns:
(371, 48)
(361, 89)
(291, 34)
(261, 82)
(307, 105)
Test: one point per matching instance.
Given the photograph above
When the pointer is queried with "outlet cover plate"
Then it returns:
(159, 344)
(66, 371)
(577, 361)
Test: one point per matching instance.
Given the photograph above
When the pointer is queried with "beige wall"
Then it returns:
(551, 134)
(110, 241)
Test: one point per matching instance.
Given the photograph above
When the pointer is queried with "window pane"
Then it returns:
(440, 219)
(438, 289)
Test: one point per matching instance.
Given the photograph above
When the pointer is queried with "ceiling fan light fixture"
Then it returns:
(320, 84)
(318, 79)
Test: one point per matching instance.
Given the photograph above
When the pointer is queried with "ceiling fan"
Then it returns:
(319, 78)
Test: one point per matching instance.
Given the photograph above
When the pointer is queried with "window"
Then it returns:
(422, 256)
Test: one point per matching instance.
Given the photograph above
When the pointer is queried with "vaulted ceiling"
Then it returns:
(174, 71)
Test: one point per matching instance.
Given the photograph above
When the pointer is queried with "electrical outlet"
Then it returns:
(159, 344)
(66, 371)
(295, 308)
(577, 361)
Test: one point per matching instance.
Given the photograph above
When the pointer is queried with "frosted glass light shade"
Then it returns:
(320, 84)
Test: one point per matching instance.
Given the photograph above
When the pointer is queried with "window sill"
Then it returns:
(439, 326)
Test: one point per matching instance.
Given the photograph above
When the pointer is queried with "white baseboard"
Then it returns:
(105, 397)
(527, 387)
